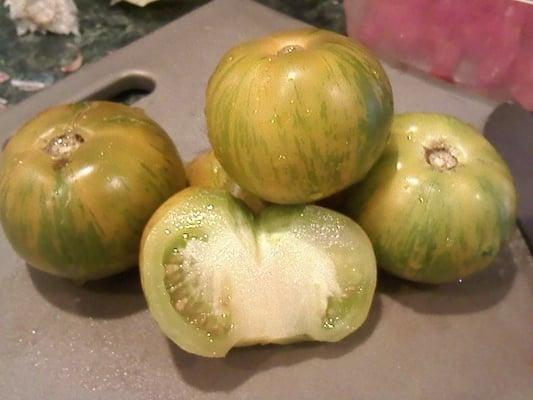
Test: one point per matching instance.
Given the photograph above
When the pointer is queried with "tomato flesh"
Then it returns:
(216, 276)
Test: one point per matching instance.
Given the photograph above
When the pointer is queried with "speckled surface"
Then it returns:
(104, 28)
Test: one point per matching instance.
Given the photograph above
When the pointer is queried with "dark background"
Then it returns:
(104, 28)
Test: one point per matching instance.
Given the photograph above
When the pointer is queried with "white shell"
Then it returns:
(57, 16)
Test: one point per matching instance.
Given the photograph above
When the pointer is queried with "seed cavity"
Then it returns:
(339, 305)
(188, 297)
(329, 323)
(348, 291)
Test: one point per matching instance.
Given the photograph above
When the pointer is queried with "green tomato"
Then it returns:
(440, 202)
(216, 276)
(79, 182)
(298, 116)
(205, 171)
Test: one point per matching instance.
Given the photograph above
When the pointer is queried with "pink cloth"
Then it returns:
(483, 44)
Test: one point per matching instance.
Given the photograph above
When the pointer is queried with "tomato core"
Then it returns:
(440, 157)
(64, 145)
(291, 48)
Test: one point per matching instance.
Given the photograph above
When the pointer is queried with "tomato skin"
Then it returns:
(211, 309)
(428, 223)
(205, 171)
(81, 215)
(296, 126)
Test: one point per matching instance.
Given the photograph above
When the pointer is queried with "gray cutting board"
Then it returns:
(57, 341)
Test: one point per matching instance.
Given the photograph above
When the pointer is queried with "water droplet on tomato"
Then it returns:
(209, 206)
(409, 137)
(421, 199)
(291, 48)
(167, 231)
(308, 111)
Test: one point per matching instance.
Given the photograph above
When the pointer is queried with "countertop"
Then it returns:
(105, 28)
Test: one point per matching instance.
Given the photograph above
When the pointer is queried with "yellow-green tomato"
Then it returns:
(79, 182)
(216, 276)
(439, 204)
(298, 116)
(205, 171)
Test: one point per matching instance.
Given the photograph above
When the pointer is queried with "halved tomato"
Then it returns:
(216, 276)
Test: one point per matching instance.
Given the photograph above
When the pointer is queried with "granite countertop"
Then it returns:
(104, 28)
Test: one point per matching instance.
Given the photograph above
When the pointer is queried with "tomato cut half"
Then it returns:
(216, 276)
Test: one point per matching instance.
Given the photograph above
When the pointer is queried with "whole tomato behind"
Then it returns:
(440, 202)
(79, 182)
(298, 116)
(205, 171)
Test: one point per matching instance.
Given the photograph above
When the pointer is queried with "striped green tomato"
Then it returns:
(217, 276)
(298, 116)
(205, 171)
(439, 204)
(79, 182)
